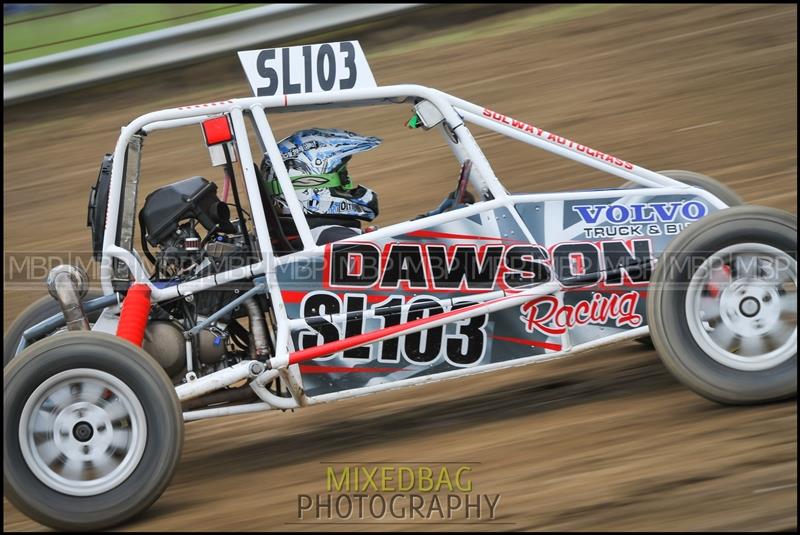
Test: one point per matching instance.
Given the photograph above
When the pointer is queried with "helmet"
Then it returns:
(316, 160)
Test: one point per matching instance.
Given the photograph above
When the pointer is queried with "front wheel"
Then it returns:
(722, 305)
(720, 190)
(92, 431)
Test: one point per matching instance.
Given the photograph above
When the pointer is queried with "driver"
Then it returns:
(316, 160)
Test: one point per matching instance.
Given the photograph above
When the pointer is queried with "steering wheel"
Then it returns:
(460, 193)
(457, 197)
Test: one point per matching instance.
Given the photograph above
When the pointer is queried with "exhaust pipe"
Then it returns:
(68, 285)
(258, 330)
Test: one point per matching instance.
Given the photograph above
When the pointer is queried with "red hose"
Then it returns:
(135, 310)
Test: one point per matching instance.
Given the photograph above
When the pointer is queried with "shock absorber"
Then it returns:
(135, 311)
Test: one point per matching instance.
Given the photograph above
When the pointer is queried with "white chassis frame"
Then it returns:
(455, 112)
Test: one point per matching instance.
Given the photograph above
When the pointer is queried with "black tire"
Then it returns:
(160, 450)
(725, 194)
(39, 310)
(672, 336)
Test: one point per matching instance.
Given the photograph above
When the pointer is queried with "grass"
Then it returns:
(510, 23)
(471, 31)
(24, 39)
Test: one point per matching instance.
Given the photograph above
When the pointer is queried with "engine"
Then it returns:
(193, 236)
(170, 218)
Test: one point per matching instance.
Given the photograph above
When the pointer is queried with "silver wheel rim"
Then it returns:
(82, 432)
(741, 306)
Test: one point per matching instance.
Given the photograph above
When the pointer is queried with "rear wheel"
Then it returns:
(92, 429)
(39, 310)
(722, 305)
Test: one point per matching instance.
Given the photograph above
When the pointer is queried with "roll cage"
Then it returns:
(455, 112)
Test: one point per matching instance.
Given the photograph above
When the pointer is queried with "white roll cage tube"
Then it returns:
(455, 112)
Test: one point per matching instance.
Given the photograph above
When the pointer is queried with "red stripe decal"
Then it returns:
(292, 297)
(451, 236)
(524, 342)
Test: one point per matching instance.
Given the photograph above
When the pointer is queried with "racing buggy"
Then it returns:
(219, 310)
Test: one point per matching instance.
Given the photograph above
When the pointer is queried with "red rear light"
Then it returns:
(217, 130)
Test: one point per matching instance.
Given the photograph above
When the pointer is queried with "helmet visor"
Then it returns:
(337, 179)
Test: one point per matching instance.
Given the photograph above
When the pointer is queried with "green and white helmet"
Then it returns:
(316, 160)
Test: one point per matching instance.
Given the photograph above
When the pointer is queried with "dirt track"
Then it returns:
(606, 441)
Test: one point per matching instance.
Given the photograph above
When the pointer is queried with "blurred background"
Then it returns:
(605, 441)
